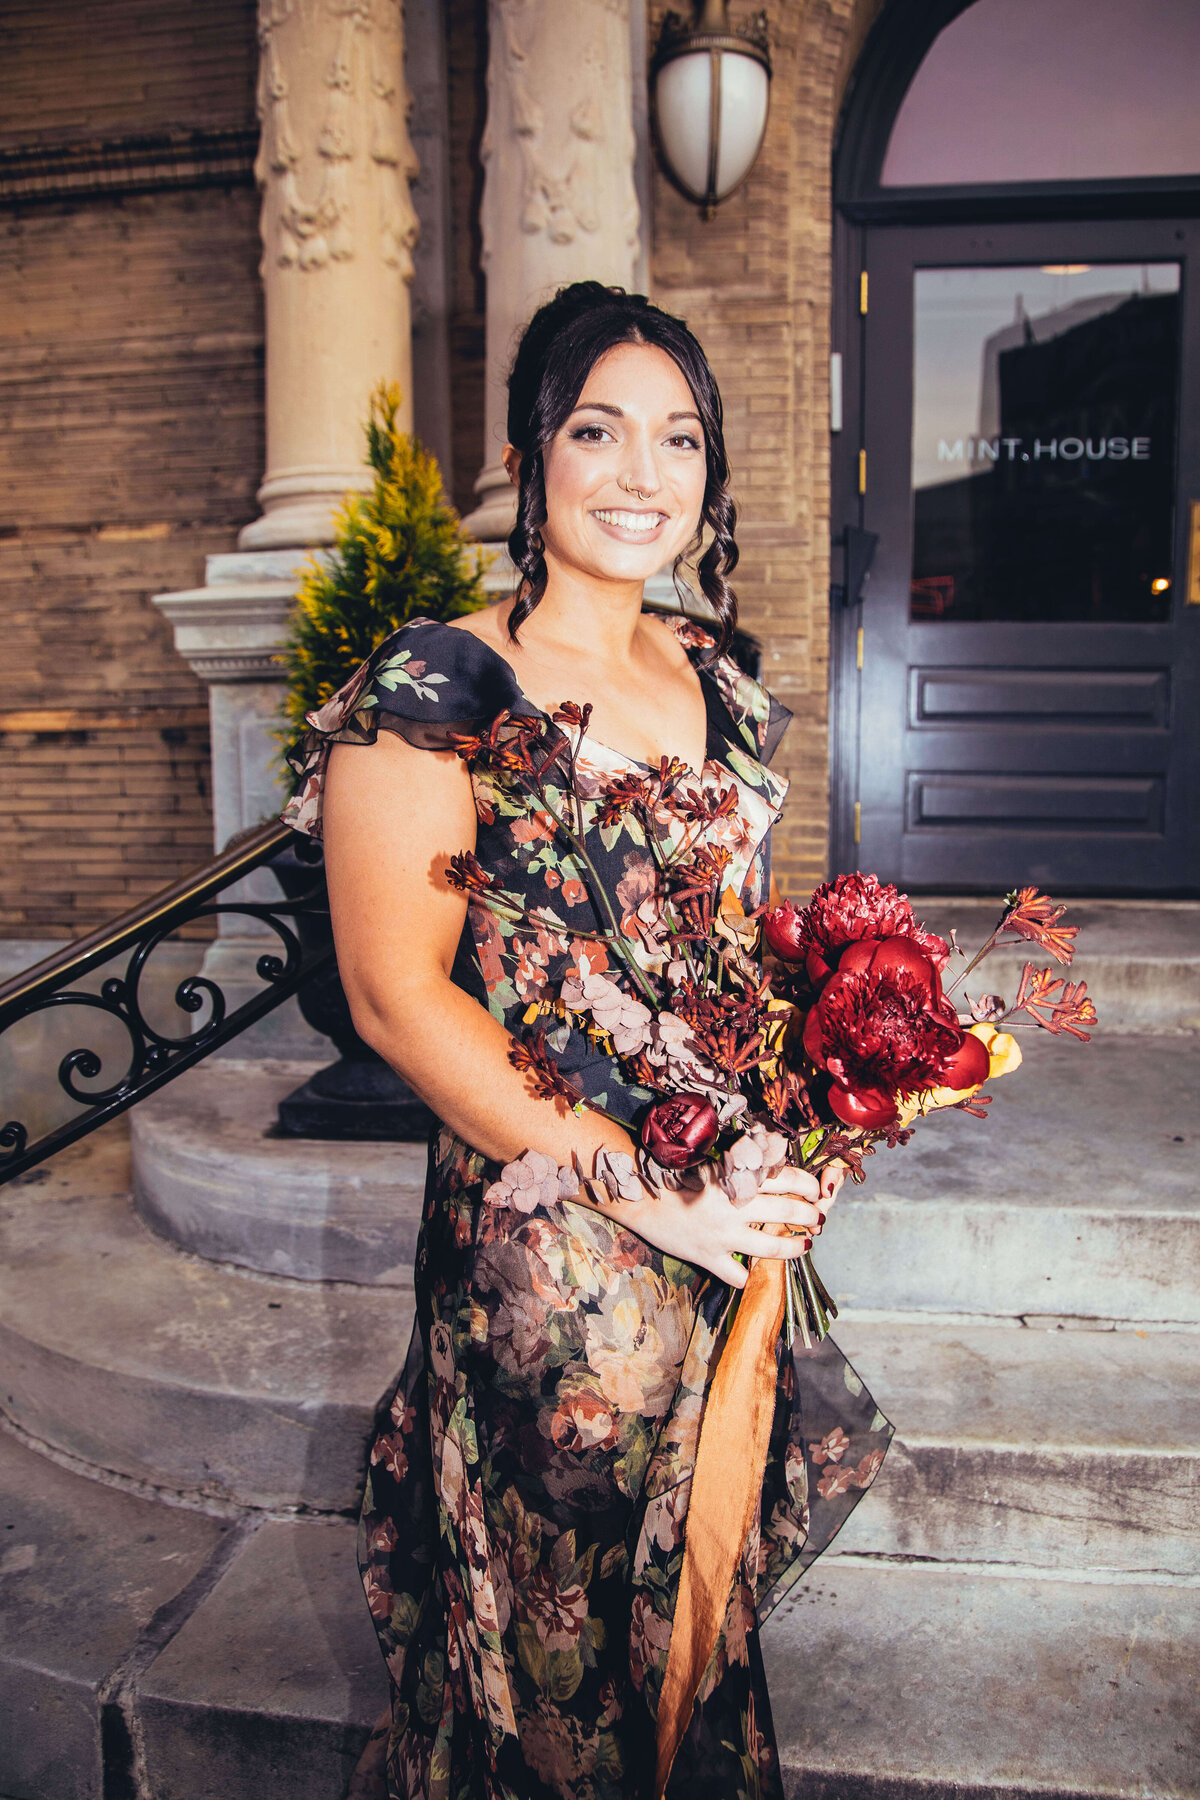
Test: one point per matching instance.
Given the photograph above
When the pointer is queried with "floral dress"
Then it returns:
(527, 1495)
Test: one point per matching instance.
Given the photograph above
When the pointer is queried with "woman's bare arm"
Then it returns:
(393, 817)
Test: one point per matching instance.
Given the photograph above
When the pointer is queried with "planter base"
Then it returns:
(355, 1099)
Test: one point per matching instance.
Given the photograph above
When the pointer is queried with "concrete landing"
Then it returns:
(209, 1176)
(927, 1684)
(1140, 959)
(178, 1372)
(1067, 1449)
(89, 1581)
(1078, 1196)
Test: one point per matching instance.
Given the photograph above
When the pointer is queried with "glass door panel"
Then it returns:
(1044, 424)
(1026, 695)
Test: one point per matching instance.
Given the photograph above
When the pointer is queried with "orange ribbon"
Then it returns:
(731, 1459)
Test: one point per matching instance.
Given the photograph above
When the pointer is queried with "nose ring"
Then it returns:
(630, 489)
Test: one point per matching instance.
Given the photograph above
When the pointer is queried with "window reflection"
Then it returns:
(1044, 416)
(1053, 90)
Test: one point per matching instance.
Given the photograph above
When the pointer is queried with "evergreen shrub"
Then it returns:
(399, 553)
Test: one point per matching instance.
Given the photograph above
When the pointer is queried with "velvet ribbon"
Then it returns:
(731, 1459)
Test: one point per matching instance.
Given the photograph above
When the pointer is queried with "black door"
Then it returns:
(1029, 699)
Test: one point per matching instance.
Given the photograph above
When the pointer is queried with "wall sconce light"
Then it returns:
(711, 88)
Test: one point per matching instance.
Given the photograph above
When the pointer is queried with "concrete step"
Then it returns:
(927, 1683)
(1068, 1449)
(1043, 1209)
(208, 1175)
(1013, 1445)
(1077, 1197)
(178, 1372)
(270, 1689)
(250, 1672)
(1140, 959)
(92, 1581)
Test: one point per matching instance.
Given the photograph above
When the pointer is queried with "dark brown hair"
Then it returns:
(562, 344)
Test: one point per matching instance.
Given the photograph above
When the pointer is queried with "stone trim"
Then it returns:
(128, 165)
(51, 721)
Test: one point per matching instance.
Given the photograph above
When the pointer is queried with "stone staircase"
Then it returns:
(192, 1346)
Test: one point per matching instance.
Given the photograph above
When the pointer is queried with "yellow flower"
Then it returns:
(1004, 1055)
(1004, 1052)
(784, 1019)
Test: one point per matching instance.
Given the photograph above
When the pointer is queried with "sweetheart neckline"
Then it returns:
(636, 762)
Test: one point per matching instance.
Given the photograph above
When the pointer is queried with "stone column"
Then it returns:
(338, 225)
(559, 196)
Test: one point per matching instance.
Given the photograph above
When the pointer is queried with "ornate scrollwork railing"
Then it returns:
(303, 947)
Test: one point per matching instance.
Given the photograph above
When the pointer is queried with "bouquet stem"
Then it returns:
(810, 1305)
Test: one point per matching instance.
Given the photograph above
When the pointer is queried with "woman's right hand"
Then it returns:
(702, 1226)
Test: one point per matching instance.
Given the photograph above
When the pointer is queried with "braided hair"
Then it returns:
(562, 344)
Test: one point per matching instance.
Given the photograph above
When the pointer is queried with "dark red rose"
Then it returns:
(880, 1028)
(678, 1132)
(850, 909)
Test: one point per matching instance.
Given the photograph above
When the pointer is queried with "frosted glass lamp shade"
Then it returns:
(711, 90)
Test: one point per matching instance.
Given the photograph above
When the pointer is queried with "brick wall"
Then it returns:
(131, 417)
(130, 447)
(116, 67)
(754, 284)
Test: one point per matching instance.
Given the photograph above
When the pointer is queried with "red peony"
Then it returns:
(680, 1131)
(880, 1028)
(847, 910)
(785, 931)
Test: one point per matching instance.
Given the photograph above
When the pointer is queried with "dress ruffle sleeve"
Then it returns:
(758, 718)
(429, 682)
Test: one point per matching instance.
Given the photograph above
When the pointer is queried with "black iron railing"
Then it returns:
(130, 941)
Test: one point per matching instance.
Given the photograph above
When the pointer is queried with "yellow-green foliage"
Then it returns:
(399, 553)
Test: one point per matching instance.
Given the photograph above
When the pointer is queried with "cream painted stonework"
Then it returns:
(338, 225)
(559, 197)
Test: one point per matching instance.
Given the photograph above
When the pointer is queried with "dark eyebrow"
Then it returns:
(615, 412)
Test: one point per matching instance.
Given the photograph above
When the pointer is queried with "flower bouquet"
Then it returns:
(804, 1035)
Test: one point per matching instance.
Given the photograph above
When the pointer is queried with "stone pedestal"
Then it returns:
(207, 1177)
(230, 631)
(559, 197)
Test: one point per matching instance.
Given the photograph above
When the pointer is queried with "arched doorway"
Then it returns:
(1017, 683)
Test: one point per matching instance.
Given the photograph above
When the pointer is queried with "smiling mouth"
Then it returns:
(642, 523)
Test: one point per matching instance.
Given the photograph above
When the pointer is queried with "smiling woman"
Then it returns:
(526, 1513)
(630, 384)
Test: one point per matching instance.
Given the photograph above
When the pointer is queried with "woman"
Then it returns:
(526, 1507)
